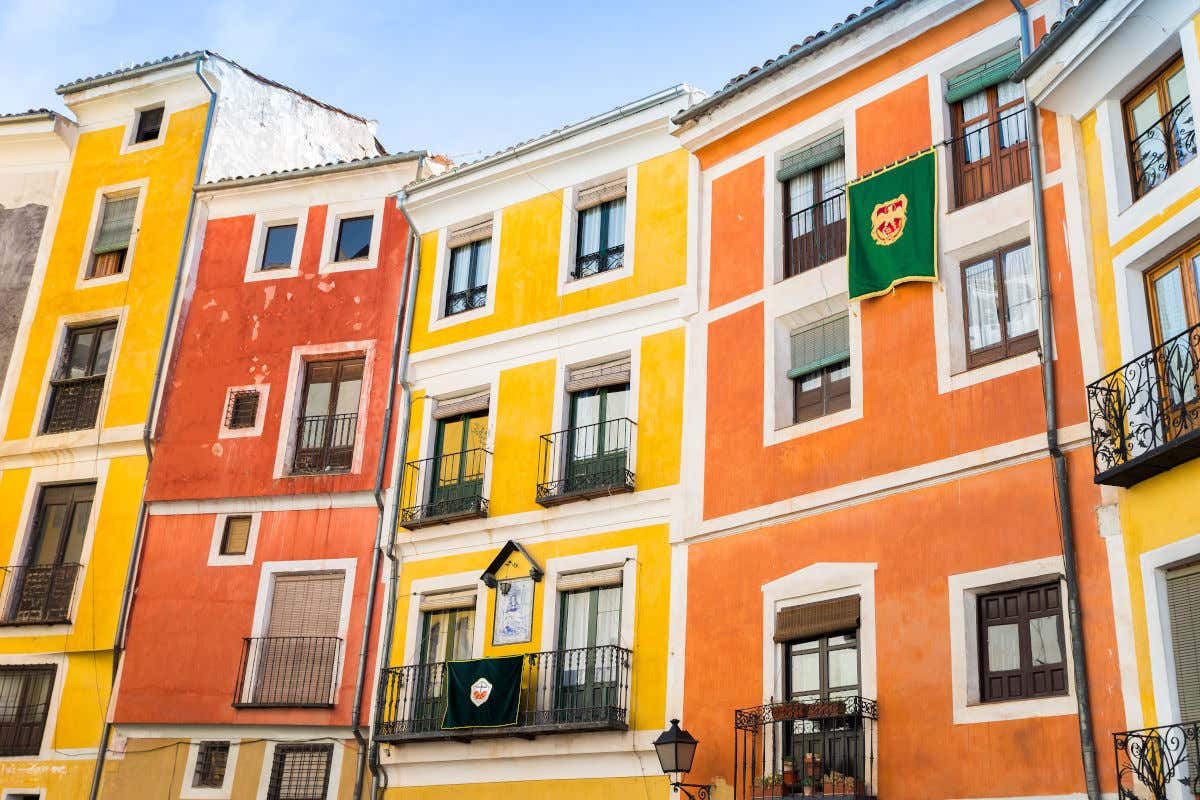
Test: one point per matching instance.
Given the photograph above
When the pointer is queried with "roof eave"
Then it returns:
(312, 172)
(1056, 37)
(121, 76)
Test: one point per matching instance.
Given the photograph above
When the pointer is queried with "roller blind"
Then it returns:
(610, 373)
(612, 576)
(116, 225)
(446, 601)
(819, 153)
(1183, 601)
(469, 233)
(595, 195)
(816, 619)
(975, 80)
(816, 346)
(306, 605)
(236, 536)
(457, 406)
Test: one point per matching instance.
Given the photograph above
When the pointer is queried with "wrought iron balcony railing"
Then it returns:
(74, 404)
(815, 235)
(990, 159)
(1145, 416)
(37, 594)
(1158, 763)
(1163, 148)
(584, 689)
(587, 461)
(445, 488)
(601, 261)
(288, 671)
(793, 749)
(325, 444)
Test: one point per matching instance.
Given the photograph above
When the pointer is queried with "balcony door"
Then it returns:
(45, 583)
(821, 672)
(588, 669)
(814, 217)
(459, 462)
(298, 656)
(329, 415)
(598, 443)
(446, 635)
(1174, 310)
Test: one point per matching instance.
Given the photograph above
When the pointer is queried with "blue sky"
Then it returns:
(459, 78)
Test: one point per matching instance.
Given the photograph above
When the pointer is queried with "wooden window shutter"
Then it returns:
(306, 605)
(600, 578)
(236, 537)
(816, 619)
(595, 195)
(457, 406)
(610, 373)
(1183, 602)
(447, 601)
(469, 233)
(116, 224)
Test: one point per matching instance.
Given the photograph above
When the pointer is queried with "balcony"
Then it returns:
(38, 594)
(990, 159)
(815, 235)
(1163, 148)
(562, 691)
(325, 444)
(74, 404)
(444, 489)
(585, 462)
(797, 749)
(1158, 763)
(1145, 416)
(288, 672)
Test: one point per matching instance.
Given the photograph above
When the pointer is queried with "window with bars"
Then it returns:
(820, 371)
(990, 148)
(1000, 305)
(41, 589)
(1021, 652)
(241, 411)
(211, 761)
(814, 205)
(24, 706)
(235, 537)
(467, 286)
(328, 422)
(600, 230)
(149, 125)
(111, 246)
(300, 772)
(78, 381)
(1159, 126)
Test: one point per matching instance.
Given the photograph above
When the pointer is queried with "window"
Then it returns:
(459, 457)
(1158, 122)
(990, 145)
(600, 231)
(111, 246)
(41, 589)
(1000, 294)
(79, 379)
(242, 410)
(279, 247)
(599, 436)
(236, 536)
(353, 238)
(149, 124)
(329, 417)
(211, 760)
(300, 772)
(814, 205)
(588, 635)
(1021, 644)
(1174, 299)
(467, 287)
(24, 705)
(820, 372)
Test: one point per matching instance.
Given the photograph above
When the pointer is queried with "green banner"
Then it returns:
(484, 693)
(892, 219)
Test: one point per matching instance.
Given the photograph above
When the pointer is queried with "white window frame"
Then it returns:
(460, 581)
(225, 791)
(623, 557)
(127, 143)
(1154, 566)
(115, 191)
(9, 794)
(569, 232)
(258, 244)
(964, 592)
(225, 432)
(334, 214)
(441, 276)
(216, 558)
(335, 765)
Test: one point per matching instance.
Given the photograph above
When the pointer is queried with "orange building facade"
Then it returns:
(875, 549)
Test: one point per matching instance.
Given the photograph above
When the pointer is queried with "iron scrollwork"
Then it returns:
(1151, 759)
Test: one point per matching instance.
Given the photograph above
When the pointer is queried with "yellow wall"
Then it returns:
(649, 788)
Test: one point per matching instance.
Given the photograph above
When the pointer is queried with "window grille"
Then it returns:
(242, 410)
(300, 772)
(211, 760)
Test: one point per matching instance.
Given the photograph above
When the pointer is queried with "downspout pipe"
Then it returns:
(1091, 776)
(135, 552)
(377, 551)
(389, 610)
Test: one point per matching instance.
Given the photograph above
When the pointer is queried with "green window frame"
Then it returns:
(588, 673)
(458, 460)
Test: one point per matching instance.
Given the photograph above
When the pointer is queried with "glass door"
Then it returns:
(458, 458)
(827, 745)
(1175, 308)
(446, 635)
(588, 666)
(46, 581)
(598, 446)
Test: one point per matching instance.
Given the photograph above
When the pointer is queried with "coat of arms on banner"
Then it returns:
(887, 220)
(481, 690)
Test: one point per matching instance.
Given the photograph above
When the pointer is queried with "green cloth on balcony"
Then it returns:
(483, 693)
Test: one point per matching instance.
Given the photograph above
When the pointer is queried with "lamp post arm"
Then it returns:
(703, 791)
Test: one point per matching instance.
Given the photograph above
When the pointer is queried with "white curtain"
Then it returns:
(976, 142)
(1020, 286)
(800, 199)
(574, 638)
(833, 182)
(616, 222)
(983, 316)
(589, 231)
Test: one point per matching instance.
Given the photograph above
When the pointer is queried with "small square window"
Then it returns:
(242, 411)
(236, 536)
(149, 124)
(354, 238)
(279, 247)
(211, 761)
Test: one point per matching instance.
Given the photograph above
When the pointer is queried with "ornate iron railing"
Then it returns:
(445, 488)
(1158, 763)
(990, 159)
(74, 404)
(1145, 415)
(37, 594)
(815, 235)
(561, 690)
(1163, 148)
(793, 749)
(296, 671)
(601, 261)
(325, 444)
(587, 461)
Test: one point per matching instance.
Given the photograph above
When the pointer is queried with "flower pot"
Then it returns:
(808, 790)
(812, 765)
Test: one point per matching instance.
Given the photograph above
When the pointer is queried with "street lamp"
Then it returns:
(676, 748)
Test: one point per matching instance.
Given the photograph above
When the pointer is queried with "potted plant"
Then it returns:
(812, 765)
(809, 784)
(789, 769)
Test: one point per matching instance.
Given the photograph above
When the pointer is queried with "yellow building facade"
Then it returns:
(541, 487)
(1122, 90)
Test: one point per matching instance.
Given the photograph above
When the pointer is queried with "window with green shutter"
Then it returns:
(113, 234)
(820, 368)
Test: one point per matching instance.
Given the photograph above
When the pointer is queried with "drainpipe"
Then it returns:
(389, 610)
(1061, 485)
(135, 553)
(377, 551)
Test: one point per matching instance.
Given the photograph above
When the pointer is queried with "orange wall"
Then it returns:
(894, 126)
(737, 223)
